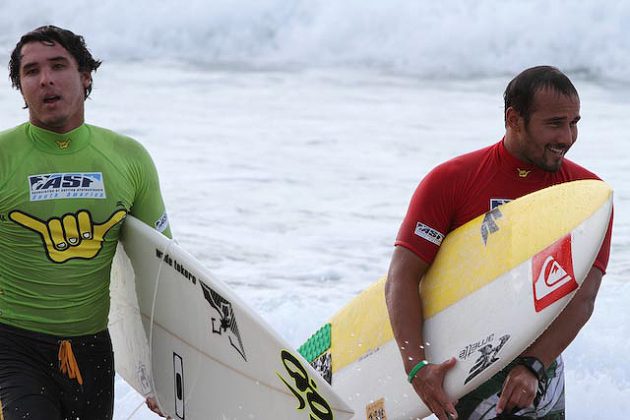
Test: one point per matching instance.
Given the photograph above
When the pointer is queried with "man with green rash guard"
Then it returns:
(65, 189)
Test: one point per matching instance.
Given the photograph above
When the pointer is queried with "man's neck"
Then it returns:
(60, 129)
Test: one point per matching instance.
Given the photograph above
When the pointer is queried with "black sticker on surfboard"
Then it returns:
(178, 384)
(175, 265)
(304, 388)
(488, 354)
(489, 224)
(226, 322)
(323, 366)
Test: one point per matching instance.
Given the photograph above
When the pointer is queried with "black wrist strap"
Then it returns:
(535, 365)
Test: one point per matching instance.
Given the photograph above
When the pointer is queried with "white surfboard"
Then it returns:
(189, 341)
(494, 287)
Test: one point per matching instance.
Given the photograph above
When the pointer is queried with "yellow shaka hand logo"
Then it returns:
(72, 236)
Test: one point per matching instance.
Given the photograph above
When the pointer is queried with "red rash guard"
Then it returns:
(470, 185)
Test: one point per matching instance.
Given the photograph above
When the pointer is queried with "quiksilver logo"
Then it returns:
(552, 273)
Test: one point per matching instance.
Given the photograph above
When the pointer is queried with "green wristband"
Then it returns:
(416, 369)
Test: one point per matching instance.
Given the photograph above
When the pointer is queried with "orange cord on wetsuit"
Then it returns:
(67, 363)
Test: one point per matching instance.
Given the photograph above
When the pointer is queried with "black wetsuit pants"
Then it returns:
(44, 377)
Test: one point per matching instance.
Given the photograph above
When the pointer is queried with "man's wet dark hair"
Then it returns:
(519, 93)
(74, 44)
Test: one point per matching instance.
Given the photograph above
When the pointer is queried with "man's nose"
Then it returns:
(45, 77)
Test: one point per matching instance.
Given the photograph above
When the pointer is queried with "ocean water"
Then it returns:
(453, 38)
(290, 135)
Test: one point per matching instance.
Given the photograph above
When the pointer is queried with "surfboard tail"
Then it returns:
(131, 346)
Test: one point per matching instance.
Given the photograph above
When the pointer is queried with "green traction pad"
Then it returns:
(317, 344)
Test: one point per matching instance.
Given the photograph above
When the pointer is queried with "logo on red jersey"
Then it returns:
(552, 273)
(496, 202)
(428, 233)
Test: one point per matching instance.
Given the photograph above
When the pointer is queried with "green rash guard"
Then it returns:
(62, 200)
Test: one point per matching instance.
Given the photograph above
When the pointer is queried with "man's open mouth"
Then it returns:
(51, 99)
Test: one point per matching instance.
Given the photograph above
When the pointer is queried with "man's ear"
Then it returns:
(86, 79)
(513, 119)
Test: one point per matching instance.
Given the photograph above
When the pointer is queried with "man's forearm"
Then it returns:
(404, 304)
(405, 314)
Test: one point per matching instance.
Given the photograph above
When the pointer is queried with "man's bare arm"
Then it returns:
(405, 313)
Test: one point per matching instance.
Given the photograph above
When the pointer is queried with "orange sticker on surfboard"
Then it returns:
(376, 410)
(552, 271)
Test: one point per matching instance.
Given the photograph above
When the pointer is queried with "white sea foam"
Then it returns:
(456, 38)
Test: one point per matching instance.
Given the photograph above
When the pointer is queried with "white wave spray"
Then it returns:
(455, 38)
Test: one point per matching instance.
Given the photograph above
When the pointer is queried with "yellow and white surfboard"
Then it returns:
(494, 287)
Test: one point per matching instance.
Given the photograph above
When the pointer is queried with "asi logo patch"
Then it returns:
(552, 271)
(428, 233)
(66, 185)
(162, 223)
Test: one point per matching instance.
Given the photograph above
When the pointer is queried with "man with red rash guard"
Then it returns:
(542, 109)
